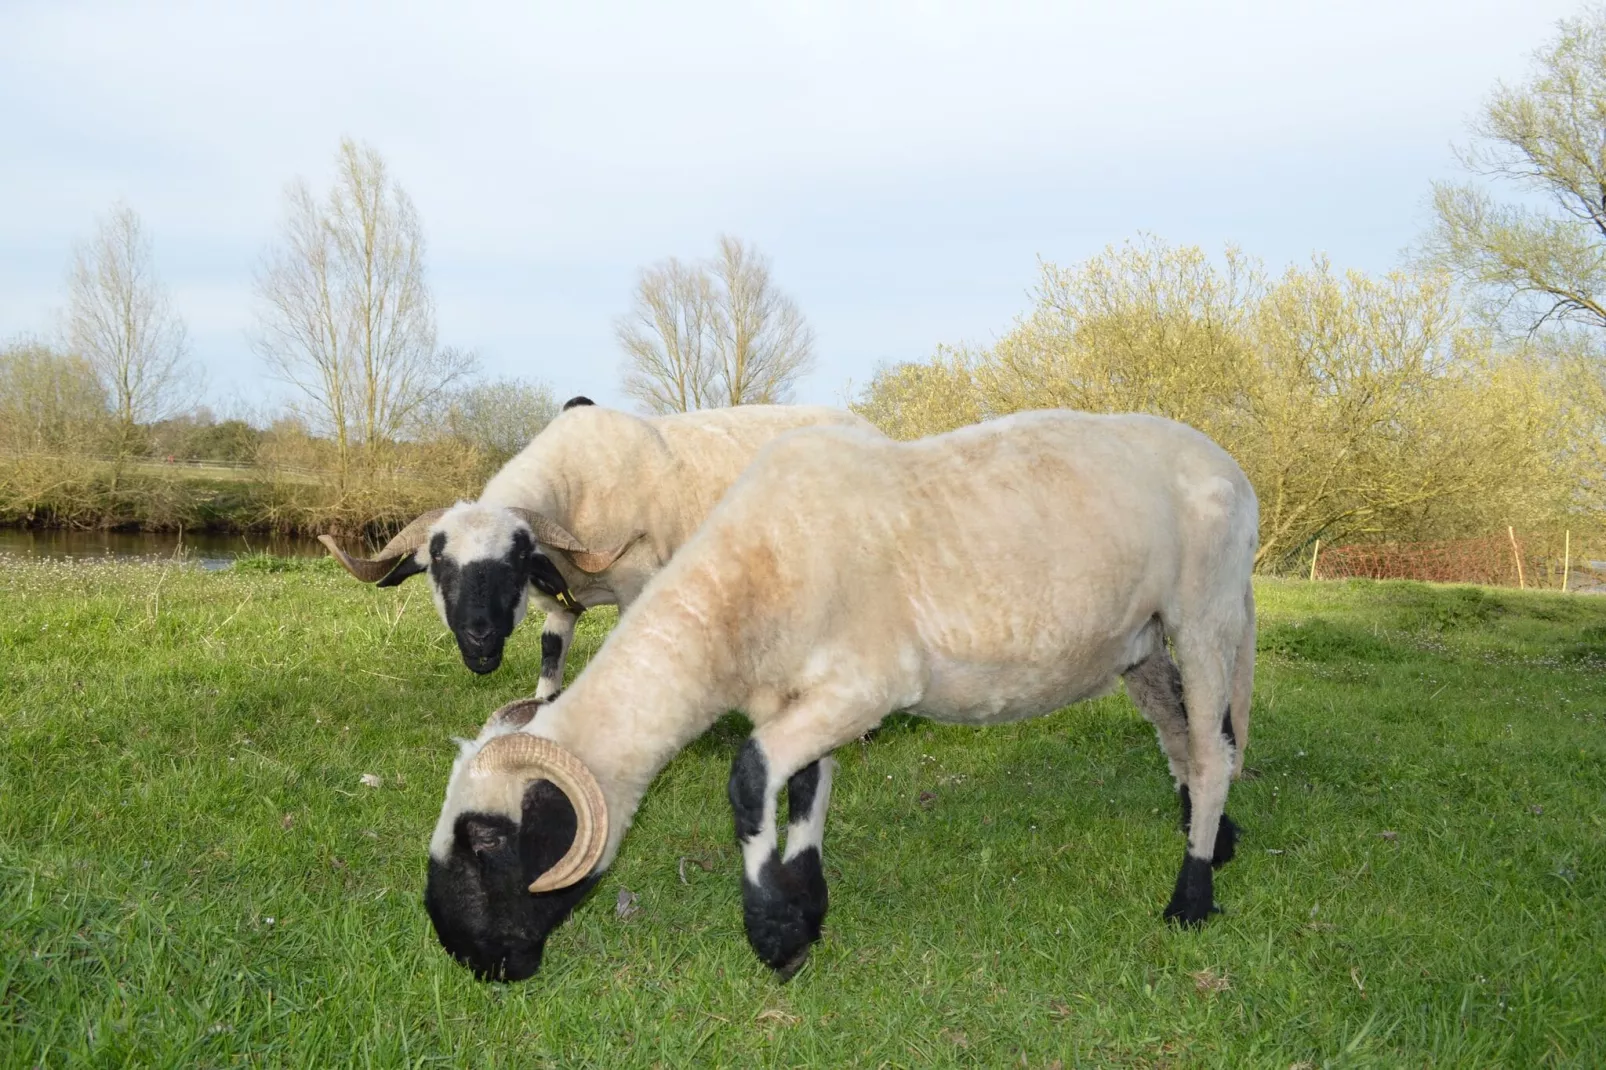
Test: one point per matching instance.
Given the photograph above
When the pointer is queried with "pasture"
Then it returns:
(193, 871)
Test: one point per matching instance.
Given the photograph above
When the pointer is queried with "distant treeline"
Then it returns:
(67, 460)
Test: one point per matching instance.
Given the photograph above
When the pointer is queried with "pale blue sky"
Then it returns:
(903, 164)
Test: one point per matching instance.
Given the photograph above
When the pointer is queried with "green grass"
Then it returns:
(191, 873)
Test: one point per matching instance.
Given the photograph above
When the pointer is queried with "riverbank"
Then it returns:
(208, 549)
(221, 786)
(90, 494)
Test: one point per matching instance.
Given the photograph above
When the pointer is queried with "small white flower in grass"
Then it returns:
(369, 780)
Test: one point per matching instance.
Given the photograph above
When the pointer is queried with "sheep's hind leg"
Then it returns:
(1155, 686)
(784, 896)
(556, 634)
(1206, 670)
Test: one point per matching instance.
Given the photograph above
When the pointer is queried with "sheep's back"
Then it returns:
(995, 550)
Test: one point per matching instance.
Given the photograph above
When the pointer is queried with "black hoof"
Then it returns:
(1194, 898)
(785, 971)
(785, 910)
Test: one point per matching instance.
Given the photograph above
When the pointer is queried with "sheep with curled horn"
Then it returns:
(582, 517)
(993, 573)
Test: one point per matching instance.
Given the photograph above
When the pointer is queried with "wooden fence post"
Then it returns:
(1314, 554)
(1516, 555)
(1566, 561)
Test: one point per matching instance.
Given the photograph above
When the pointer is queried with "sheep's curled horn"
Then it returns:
(521, 754)
(411, 537)
(555, 534)
(376, 568)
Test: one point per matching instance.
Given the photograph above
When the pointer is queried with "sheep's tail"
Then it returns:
(1243, 682)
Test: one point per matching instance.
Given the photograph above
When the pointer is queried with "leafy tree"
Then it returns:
(499, 418)
(1358, 406)
(913, 400)
(1540, 259)
(50, 402)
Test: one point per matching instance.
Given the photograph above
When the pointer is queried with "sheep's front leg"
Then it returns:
(784, 897)
(556, 635)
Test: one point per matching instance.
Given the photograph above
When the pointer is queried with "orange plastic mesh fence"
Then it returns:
(1490, 560)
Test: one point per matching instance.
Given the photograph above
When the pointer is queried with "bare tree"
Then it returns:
(121, 320)
(763, 343)
(713, 334)
(668, 338)
(346, 316)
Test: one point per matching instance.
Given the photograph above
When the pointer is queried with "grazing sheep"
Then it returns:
(990, 574)
(583, 516)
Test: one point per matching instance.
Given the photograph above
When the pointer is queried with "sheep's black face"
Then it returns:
(482, 595)
(482, 562)
(479, 897)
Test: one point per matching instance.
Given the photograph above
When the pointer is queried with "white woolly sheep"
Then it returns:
(583, 517)
(993, 573)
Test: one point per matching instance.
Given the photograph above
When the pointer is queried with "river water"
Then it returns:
(209, 550)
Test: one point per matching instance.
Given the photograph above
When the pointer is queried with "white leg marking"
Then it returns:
(757, 850)
(810, 831)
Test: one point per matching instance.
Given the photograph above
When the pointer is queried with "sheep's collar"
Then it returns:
(565, 598)
(569, 601)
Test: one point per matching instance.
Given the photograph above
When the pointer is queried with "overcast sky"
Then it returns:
(902, 164)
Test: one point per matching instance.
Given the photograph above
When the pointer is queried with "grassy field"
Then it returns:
(192, 872)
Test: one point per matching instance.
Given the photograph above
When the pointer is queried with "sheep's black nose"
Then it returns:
(478, 633)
